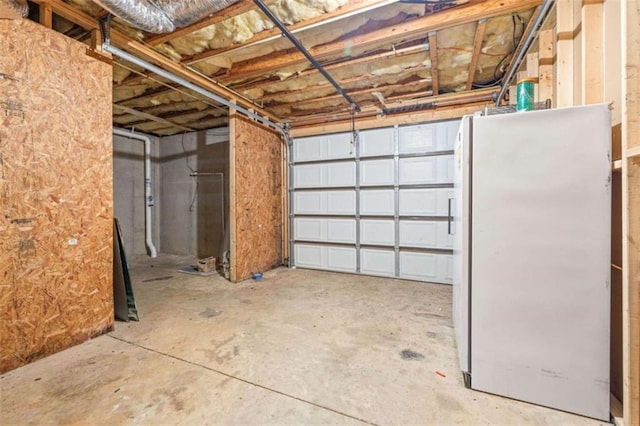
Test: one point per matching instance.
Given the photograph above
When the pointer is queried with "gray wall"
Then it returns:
(193, 208)
(128, 192)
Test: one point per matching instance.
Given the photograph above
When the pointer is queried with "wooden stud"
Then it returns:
(545, 66)
(477, 46)
(592, 54)
(233, 116)
(565, 37)
(433, 54)
(630, 36)
(46, 15)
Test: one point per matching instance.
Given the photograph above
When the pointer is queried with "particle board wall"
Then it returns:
(256, 203)
(55, 193)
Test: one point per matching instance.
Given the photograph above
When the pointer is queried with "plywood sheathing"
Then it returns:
(55, 193)
(257, 198)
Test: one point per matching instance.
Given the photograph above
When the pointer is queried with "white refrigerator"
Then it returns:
(531, 220)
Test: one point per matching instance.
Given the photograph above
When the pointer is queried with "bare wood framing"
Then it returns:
(150, 117)
(545, 66)
(232, 196)
(147, 53)
(46, 15)
(565, 38)
(350, 9)
(631, 209)
(592, 54)
(414, 28)
(477, 45)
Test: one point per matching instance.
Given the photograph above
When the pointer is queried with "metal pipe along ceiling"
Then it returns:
(162, 16)
(263, 7)
(537, 24)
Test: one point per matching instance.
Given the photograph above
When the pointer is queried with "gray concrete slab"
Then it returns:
(298, 347)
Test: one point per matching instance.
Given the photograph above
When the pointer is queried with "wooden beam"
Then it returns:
(433, 54)
(545, 66)
(46, 15)
(565, 44)
(407, 30)
(593, 53)
(350, 9)
(148, 54)
(150, 117)
(371, 121)
(235, 9)
(233, 267)
(477, 45)
(630, 37)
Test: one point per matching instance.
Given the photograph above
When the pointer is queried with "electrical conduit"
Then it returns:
(148, 195)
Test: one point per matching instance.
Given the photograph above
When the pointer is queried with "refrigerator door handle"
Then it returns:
(449, 217)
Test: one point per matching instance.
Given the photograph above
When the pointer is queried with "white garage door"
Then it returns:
(378, 205)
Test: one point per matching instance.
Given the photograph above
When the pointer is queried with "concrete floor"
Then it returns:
(298, 347)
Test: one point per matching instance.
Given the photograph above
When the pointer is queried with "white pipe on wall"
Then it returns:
(148, 195)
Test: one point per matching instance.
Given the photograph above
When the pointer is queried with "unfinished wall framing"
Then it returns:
(55, 193)
(256, 197)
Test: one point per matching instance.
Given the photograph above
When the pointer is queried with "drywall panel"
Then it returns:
(128, 192)
(56, 193)
(178, 193)
(258, 198)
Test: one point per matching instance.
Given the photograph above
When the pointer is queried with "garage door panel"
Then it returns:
(378, 262)
(379, 209)
(417, 138)
(376, 142)
(341, 230)
(326, 147)
(308, 256)
(341, 258)
(426, 170)
(377, 232)
(377, 202)
(425, 234)
(341, 202)
(325, 230)
(376, 172)
(426, 202)
(322, 175)
(432, 267)
(325, 202)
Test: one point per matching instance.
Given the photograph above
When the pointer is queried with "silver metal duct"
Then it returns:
(163, 16)
(19, 6)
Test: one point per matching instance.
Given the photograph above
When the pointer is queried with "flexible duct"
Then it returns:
(163, 16)
(19, 6)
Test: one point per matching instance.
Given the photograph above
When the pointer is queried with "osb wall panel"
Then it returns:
(55, 193)
(258, 198)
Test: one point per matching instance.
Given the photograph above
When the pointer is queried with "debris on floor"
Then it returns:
(193, 270)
